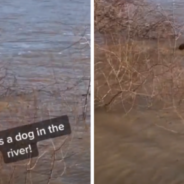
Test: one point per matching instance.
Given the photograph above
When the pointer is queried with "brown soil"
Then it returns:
(139, 148)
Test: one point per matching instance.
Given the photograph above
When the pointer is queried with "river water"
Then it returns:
(45, 48)
(38, 37)
(45, 45)
(175, 7)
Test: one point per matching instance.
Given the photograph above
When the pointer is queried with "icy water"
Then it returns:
(38, 37)
(44, 56)
(175, 7)
(45, 45)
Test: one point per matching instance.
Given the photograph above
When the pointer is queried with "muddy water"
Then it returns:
(44, 54)
(142, 147)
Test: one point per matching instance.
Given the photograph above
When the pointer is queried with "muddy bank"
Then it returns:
(142, 147)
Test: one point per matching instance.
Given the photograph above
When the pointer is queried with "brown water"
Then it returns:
(142, 147)
(44, 54)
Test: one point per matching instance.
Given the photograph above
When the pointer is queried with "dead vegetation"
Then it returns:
(63, 159)
(140, 76)
(132, 69)
(137, 19)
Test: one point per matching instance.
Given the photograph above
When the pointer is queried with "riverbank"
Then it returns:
(129, 66)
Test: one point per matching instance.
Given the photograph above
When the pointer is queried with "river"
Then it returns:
(44, 45)
(45, 49)
(39, 35)
(175, 7)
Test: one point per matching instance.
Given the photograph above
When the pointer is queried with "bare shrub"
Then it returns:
(133, 18)
(134, 72)
(62, 159)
